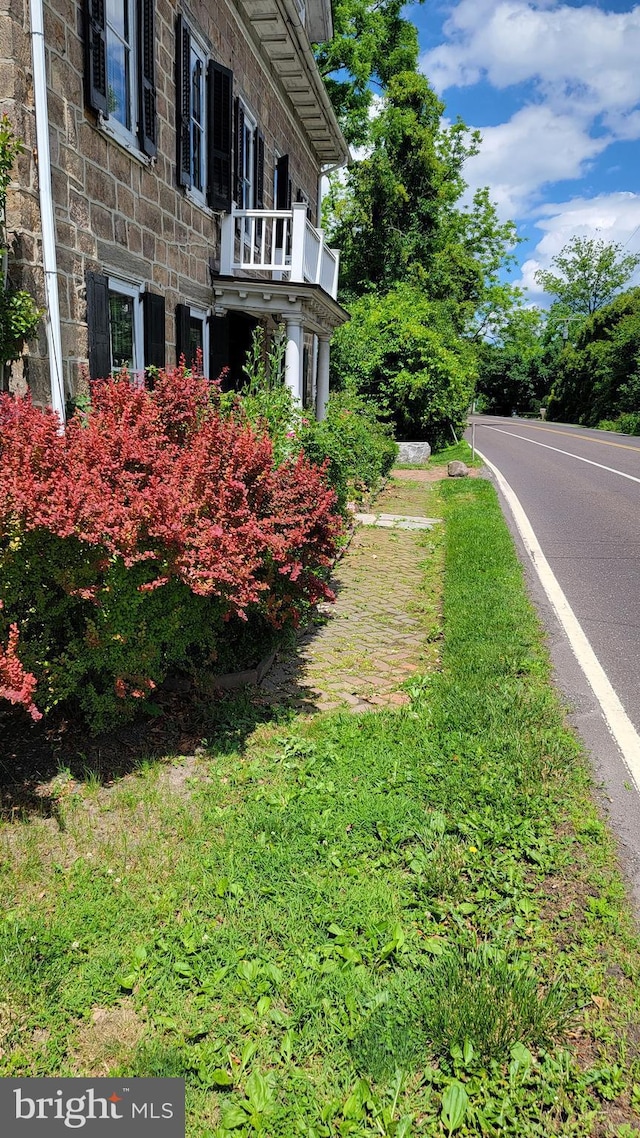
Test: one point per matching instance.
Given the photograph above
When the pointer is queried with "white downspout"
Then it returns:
(49, 261)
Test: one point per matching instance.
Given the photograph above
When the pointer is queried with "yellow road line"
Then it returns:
(587, 438)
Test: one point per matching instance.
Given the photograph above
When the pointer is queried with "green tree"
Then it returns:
(398, 217)
(511, 371)
(402, 351)
(598, 377)
(588, 273)
(372, 41)
(386, 218)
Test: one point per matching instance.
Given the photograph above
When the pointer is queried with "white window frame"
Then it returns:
(250, 129)
(128, 135)
(199, 52)
(127, 288)
(203, 315)
(250, 134)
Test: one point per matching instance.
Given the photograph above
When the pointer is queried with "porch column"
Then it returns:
(293, 358)
(322, 392)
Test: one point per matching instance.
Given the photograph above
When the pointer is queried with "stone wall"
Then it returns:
(115, 211)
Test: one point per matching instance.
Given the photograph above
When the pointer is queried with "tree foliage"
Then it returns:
(598, 377)
(403, 352)
(589, 272)
(372, 41)
(512, 371)
(395, 214)
(420, 272)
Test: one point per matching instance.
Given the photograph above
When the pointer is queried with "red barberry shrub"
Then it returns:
(145, 535)
(16, 685)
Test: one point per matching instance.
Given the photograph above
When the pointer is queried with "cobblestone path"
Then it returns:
(376, 634)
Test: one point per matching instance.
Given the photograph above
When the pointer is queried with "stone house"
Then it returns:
(168, 197)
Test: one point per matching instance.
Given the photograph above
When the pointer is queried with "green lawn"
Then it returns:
(403, 923)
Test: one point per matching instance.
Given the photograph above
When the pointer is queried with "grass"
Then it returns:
(460, 452)
(405, 923)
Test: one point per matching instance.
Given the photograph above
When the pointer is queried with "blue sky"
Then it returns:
(554, 89)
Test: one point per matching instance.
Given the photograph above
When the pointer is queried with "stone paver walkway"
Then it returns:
(375, 636)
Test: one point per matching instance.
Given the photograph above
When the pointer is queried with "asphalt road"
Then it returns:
(586, 518)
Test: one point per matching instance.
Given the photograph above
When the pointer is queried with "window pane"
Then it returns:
(119, 61)
(197, 123)
(116, 17)
(118, 81)
(122, 330)
(196, 339)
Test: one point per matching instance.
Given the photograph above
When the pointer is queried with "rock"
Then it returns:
(414, 453)
(457, 470)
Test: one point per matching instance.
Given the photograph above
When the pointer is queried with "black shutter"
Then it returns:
(283, 200)
(95, 85)
(154, 329)
(148, 124)
(259, 171)
(219, 112)
(239, 152)
(183, 329)
(183, 102)
(98, 326)
(218, 345)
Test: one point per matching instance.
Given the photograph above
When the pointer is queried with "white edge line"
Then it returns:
(616, 718)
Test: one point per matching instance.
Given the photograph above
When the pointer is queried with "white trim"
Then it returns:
(203, 314)
(123, 139)
(128, 288)
(130, 10)
(199, 50)
(616, 718)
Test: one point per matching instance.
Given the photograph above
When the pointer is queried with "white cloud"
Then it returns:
(581, 65)
(613, 218)
(536, 146)
(582, 54)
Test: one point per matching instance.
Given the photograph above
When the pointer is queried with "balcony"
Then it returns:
(278, 245)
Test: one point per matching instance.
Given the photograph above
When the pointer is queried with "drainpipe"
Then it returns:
(49, 262)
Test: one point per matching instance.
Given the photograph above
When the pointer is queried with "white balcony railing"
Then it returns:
(279, 243)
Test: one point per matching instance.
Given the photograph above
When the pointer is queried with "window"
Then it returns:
(249, 160)
(120, 64)
(120, 68)
(246, 183)
(126, 326)
(192, 335)
(198, 72)
(204, 124)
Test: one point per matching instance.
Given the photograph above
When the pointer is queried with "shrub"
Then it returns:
(402, 352)
(358, 447)
(130, 544)
(352, 443)
(627, 424)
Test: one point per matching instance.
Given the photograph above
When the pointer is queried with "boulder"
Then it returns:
(414, 453)
(457, 470)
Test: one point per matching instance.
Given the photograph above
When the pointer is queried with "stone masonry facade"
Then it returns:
(116, 211)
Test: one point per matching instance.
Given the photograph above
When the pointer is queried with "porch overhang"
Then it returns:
(279, 30)
(283, 301)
